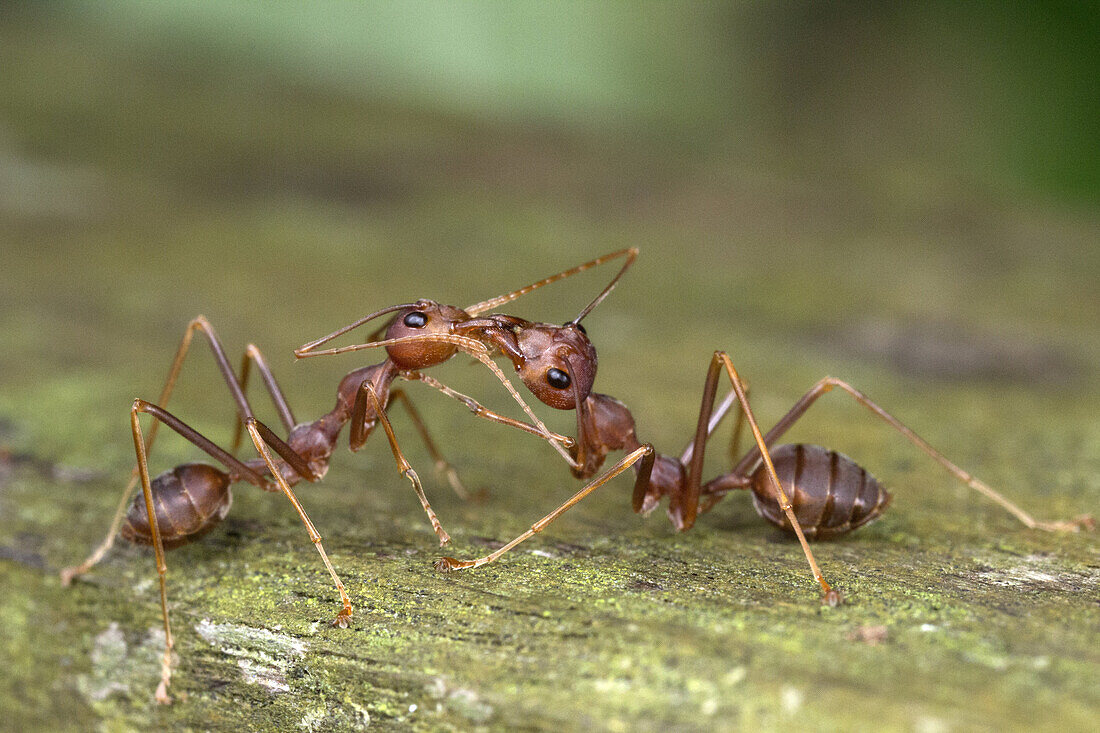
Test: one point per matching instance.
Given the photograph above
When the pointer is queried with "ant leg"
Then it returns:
(483, 412)
(720, 414)
(721, 361)
(141, 450)
(442, 465)
(828, 383)
(75, 571)
(645, 453)
(738, 427)
(286, 416)
(292, 458)
(365, 396)
(244, 410)
(158, 549)
(711, 497)
(201, 324)
(253, 427)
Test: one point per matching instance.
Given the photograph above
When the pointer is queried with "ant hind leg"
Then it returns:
(1083, 522)
(199, 323)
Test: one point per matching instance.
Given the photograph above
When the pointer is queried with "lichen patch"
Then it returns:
(265, 657)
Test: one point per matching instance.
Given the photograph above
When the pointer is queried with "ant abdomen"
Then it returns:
(189, 501)
(829, 492)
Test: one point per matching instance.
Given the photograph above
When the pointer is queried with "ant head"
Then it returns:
(558, 364)
(423, 318)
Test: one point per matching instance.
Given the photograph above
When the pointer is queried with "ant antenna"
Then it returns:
(630, 255)
(306, 350)
(492, 303)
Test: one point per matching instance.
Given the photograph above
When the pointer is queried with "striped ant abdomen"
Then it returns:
(189, 501)
(829, 492)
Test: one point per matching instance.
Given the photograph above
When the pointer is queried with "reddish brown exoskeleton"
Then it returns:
(811, 491)
(184, 503)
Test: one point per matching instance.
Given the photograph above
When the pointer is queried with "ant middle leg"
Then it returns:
(366, 398)
(252, 354)
(716, 419)
(442, 465)
(708, 499)
(262, 437)
(829, 383)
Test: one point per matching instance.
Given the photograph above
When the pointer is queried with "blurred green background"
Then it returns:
(903, 195)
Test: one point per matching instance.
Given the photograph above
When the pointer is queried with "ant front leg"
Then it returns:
(483, 412)
(645, 453)
(720, 361)
(829, 383)
(470, 346)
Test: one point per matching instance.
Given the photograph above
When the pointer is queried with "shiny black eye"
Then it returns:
(557, 379)
(416, 319)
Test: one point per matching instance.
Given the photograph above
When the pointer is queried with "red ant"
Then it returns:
(184, 503)
(822, 493)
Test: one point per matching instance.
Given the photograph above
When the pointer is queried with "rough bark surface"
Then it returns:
(975, 322)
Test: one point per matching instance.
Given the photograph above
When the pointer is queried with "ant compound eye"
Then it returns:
(416, 319)
(557, 379)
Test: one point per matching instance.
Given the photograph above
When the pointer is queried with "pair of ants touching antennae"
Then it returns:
(808, 490)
